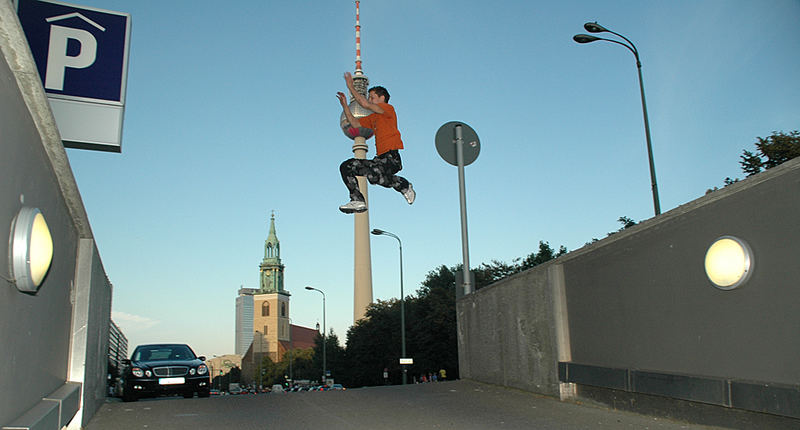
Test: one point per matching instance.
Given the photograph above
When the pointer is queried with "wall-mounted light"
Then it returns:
(31, 249)
(729, 262)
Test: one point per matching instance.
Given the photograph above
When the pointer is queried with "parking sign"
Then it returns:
(82, 57)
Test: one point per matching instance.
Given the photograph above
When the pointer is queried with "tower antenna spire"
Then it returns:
(359, 72)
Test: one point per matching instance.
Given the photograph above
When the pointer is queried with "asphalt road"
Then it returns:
(443, 405)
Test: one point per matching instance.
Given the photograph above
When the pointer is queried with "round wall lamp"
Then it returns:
(729, 262)
(31, 249)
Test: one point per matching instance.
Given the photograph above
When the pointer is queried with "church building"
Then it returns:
(266, 311)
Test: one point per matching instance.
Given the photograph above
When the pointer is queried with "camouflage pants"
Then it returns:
(378, 171)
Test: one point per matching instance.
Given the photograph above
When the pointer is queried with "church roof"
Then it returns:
(302, 337)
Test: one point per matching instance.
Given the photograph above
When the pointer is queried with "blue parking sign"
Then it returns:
(82, 57)
(79, 51)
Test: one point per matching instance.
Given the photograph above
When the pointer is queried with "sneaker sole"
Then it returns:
(350, 211)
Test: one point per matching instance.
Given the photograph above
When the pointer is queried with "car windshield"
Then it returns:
(163, 352)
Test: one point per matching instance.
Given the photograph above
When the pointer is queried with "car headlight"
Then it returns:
(137, 372)
(192, 371)
(202, 370)
(148, 373)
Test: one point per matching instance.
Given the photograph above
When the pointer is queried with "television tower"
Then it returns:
(362, 260)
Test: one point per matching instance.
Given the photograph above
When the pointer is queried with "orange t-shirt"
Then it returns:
(387, 136)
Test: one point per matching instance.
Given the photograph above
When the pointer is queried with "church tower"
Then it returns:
(271, 268)
(270, 301)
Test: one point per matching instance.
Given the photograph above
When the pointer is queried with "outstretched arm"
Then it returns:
(359, 97)
(350, 118)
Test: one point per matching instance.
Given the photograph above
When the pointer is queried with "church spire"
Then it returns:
(272, 246)
(271, 269)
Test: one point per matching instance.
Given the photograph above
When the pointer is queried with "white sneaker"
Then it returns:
(409, 194)
(356, 206)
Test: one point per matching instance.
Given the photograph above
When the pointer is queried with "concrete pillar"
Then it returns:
(362, 270)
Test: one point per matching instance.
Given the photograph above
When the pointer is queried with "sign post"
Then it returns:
(82, 57)
(458, 144)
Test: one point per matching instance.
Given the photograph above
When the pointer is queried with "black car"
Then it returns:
(167, 368)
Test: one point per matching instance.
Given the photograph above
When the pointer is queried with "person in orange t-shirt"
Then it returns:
(382, 169)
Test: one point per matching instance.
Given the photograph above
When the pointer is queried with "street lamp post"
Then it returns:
(379, 232)
(594, 27)
(324, 346)
(291, 346)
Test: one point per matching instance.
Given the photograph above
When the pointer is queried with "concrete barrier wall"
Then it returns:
(644, 301)
(54, 349)
(508, 335)
(640, 301)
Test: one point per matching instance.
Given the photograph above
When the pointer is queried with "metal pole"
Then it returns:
(324, 362)
(402, 302)
(291, 346)
(402, 314)
(654, 186)
(463, 200)
(324, 343)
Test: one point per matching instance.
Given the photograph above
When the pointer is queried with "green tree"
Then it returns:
(268, 370)
(545, 254)
(432, 316)
(334, 356)
(487, 274)
(373, 343)
(771, 151)
(302, 361)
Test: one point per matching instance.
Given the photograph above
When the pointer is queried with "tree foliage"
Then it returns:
(771, 151)
(487, 274)
(335, 360)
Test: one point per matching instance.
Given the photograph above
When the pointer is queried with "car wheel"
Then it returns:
(188, 394)
(204, 393)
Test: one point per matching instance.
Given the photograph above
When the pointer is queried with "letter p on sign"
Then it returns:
(57, 58)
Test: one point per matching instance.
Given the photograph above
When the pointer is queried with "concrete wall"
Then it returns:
(54, 343)
(640, 301)
(508, 335)
(644, 301)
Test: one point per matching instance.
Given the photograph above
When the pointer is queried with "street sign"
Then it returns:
(458, 144)
(82, 57)
(406, 361)
(447, 141)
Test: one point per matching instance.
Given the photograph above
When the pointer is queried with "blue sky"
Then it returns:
(231, 114)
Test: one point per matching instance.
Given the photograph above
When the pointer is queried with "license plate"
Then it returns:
(171, 381)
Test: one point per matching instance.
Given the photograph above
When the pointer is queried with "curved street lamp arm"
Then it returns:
(632, 47)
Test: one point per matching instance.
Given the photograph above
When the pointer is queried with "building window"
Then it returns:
(266, 330)
(283, 309)
(265, 309)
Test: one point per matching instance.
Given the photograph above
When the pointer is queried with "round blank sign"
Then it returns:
(446, 143)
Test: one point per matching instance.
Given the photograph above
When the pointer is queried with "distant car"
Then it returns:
(277, 388)
(166, 368)
(338, 387)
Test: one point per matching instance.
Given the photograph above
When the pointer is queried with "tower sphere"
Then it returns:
(360, 82)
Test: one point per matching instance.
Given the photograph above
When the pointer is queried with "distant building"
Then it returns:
(244, 320)
(221, 366)
(117, 345)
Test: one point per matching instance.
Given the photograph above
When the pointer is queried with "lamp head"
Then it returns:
(377, 231)
(31, 250)
(309, 288)
(594, 27)
(584, 38)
